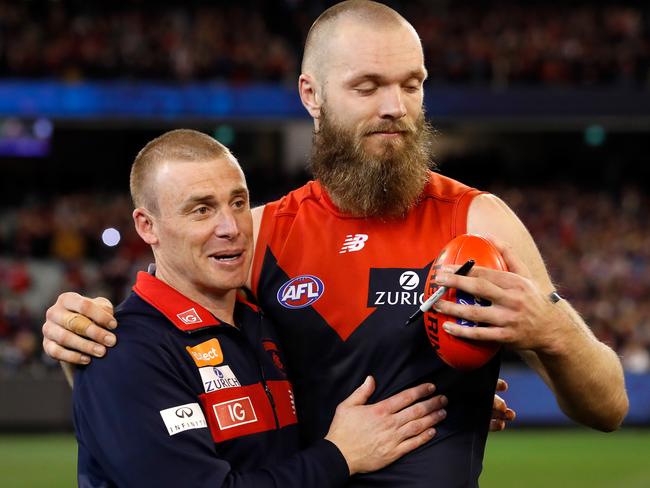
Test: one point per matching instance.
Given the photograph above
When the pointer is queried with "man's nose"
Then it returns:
(227, 226)
(392, 106)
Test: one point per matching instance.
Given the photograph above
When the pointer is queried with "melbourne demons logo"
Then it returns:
(300, 292)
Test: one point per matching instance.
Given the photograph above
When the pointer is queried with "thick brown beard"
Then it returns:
(366, 185)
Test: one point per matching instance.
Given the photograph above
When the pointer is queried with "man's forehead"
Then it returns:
(184, 179)
(225, 165)
(392, 51)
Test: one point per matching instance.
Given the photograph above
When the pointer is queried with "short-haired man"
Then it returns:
(374, 212)
(196, 394)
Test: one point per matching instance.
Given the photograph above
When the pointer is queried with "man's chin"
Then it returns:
(224, 285)
(380, 141)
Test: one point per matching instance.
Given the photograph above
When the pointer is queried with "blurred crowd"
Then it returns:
(597, 249)
(495, 43)
(47, 247)
(596, 246)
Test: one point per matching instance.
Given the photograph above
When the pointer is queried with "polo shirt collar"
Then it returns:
(185, 314)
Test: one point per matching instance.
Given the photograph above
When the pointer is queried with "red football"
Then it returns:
(460, 353)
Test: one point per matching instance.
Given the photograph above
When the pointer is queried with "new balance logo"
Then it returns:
(354, 242)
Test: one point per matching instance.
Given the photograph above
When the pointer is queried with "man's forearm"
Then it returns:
(585, 375)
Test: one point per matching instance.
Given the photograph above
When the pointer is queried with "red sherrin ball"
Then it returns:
(460, 353)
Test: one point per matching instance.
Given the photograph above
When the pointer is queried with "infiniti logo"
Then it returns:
(184, 417)
(184, 412)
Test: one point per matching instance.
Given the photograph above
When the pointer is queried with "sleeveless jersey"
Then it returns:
(339, 289)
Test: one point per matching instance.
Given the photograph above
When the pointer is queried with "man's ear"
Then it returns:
(310, 95)
(144, 226)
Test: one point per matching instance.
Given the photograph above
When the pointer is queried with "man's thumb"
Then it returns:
(361, 395)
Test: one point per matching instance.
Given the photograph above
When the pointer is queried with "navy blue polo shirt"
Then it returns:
(187, 400)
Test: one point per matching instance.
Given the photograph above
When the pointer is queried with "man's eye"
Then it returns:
(202, 210)
(239, 203)
(366, 90)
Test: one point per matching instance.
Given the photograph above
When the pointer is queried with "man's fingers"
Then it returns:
(414, 442)
(59, 353)
(476, 286)
(507, 414)
(403, 399)
(502, 385)
(417, 426)
(73, 302)
(500, 409)
(494, 334)
(82, 326)
(69, 340)
(497, 425)
(105, 303)
(361, 395)
(499, 404)
(493, 314)
(514, 263)
(76, 323)
(502, 279)
(422, 409)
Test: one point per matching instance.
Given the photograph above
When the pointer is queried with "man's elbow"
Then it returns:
(606, 416)
(619, 413)
(613, 415)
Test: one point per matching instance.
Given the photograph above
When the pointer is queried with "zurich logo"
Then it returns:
(409, 280)
(300, 292)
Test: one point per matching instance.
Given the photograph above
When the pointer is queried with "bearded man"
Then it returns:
(329, 255)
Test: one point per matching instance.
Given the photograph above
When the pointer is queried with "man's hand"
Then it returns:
(75, 328)
(373, 436)
(500, 411)
(521, 314)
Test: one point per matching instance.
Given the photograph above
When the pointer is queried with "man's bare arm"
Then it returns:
(585, 375)
(257, 221)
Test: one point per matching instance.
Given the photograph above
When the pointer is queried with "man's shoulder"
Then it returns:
(442, 187)
(292, 201)
(135, 316)
(142, 335)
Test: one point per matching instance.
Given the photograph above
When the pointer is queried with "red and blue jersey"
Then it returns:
(188, 400)
(339, 289)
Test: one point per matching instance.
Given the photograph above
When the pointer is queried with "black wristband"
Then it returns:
(554, 297)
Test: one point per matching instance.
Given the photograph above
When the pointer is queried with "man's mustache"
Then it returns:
(403, 127)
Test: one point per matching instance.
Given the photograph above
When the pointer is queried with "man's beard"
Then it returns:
(368, 185)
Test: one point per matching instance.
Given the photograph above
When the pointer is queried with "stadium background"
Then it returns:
(545, 104)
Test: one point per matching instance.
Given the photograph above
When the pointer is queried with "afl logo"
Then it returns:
(300, 292)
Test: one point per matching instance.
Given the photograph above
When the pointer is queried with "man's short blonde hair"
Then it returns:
(180, 145)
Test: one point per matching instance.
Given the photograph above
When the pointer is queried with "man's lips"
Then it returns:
(229, 255)
(388, 133)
